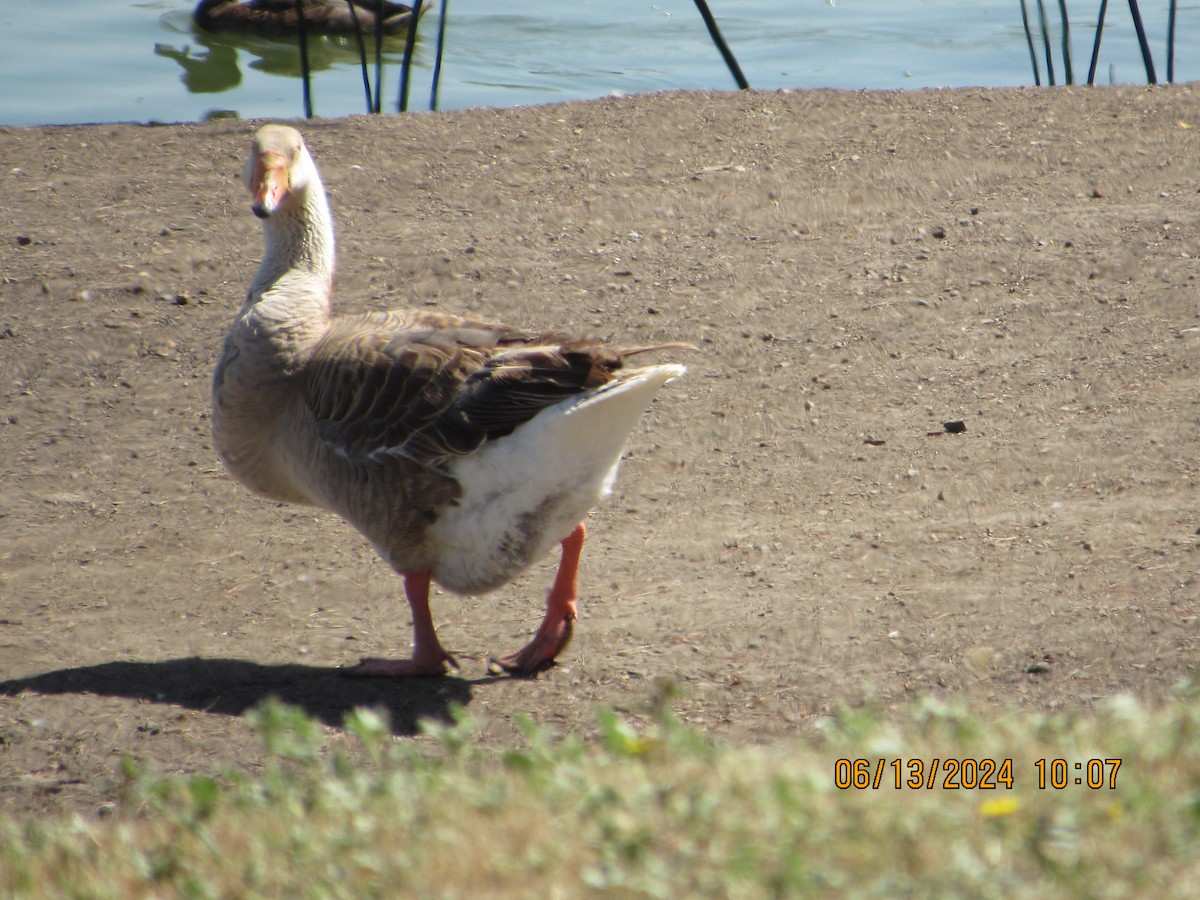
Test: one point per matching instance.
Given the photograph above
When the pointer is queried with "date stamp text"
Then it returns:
(952, 774)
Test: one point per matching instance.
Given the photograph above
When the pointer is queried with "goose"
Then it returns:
(279, 17)
(463, 450)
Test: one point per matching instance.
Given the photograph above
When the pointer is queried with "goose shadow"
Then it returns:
(233, 686)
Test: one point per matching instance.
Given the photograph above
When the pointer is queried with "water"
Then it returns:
(77, 61)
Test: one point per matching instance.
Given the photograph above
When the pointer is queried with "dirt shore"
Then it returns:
(794, 527)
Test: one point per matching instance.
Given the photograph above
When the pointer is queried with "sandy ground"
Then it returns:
(794, 528)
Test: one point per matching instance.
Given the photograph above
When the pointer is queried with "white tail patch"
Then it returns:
(526, 491)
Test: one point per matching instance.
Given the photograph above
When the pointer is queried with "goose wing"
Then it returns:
(431, 387)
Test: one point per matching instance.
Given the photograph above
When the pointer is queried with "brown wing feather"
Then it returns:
(375, 380)
(430, 387)
(509, 389)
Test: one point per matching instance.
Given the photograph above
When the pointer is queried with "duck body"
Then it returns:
(279, 18)
(462, 449)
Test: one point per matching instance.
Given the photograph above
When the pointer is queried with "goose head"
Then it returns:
(279, 170)
(289, 198)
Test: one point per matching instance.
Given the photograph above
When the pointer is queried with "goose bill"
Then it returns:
(269, 184)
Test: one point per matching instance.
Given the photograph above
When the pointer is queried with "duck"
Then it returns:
(278, 18)
(464, 450)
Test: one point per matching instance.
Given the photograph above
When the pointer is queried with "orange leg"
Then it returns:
(428, 656)
(555, 631)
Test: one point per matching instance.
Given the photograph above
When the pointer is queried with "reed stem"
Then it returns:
(1037, 73)
(1171, 42)
(1046, 42)
(1066, 41)
(437, 60)
(305, 71)
(715, 33)
(378, 56)
(410, 41)
(362, 53)
(1096, 46)
(1142, 42)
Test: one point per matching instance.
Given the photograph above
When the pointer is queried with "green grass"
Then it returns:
(655, 812)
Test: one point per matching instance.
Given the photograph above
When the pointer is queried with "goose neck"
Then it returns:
(298, 242)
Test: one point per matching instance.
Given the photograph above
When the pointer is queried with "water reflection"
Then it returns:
(213, 69)
(210, 61)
